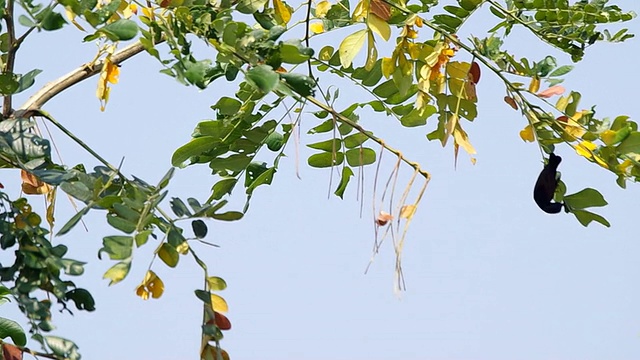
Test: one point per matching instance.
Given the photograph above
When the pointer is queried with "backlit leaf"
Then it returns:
(117, 272)
(216, 283)
(169, 255)
(379, 26)
(351, 46)
(219, 304)
(527, 134)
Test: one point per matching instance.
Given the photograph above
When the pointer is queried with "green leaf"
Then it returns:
(120, 30)
(27, 80)
(451, 21)
(195, 147)
(275, 141)
(62, 348)
(26, 22)
(586, 217)
(168, 254)
(73, 221)
(263, 77)
(228, 216)
(117, 247)
(216, 283)
(264, 178)
(142, 237)
(361, 156)
(175, 237)
(53, 21)
(199, 228)
(331, 145)
(226, 106)
(324, 127)
(630, 145)
(121, 224)
(250, 6)
(347, 173)
(562, 70)
(302, 84)
(325, 159)
(223, 187)
(166, 178)
(179, 207)
(356, 140)
(293, 52)
(126, 212)
(196, 72)
(470, 5)
(78, 190)
(82, 298)
(585, 198)
(10, 328)
(205, 296)
(8, 84)
(117, 272)
(72, 267)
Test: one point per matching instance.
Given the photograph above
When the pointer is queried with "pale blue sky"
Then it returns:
(489, 275)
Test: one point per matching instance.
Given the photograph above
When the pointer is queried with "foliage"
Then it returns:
(429, 78)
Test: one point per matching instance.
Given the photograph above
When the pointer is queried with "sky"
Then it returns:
(489, 275)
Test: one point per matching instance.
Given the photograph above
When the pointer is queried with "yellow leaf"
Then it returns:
(183, 248)
(317, 28)
(168, 254)
(534, 86)
(379, 26)
(562, 103)
(608, 137)
(322, 9)
(151, 285)
(624, 167)
(585, 149)
(350, 47)
(282, 11)
(461, 138)
(142, 292)
(117, 272)
(526, 134)
(219, 304)
(573, 128)
(51, 208)
(360, 11)
(450, 126)
(388, 67)
(216, 283)
(372, 54)
(407, 211)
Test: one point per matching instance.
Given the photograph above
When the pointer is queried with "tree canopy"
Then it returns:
(285, 62)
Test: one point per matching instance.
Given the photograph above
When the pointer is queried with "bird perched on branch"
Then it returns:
(546, 186)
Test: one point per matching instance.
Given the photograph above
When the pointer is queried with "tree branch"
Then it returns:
(47, 92)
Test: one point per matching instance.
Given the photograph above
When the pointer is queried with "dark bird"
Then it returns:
(546, 186)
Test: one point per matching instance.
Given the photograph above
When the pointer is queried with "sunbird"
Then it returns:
(546, 186)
